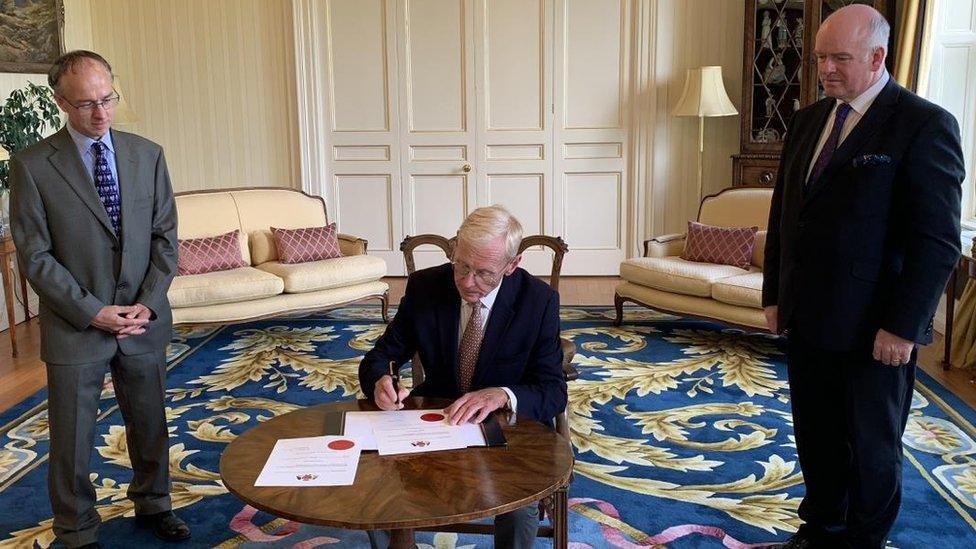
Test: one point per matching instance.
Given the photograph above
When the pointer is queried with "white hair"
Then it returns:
(877, 31)
(486, 224)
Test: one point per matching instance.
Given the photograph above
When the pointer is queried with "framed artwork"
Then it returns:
(31, 34)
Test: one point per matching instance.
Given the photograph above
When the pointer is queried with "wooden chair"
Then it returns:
(556, 504)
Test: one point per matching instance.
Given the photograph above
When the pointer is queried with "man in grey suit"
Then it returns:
(94, 221)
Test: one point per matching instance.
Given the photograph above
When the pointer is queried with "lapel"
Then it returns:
(810, 138)
(125, 166)
(872, 122)
(498, 320)
(448, 313)
(67, 162)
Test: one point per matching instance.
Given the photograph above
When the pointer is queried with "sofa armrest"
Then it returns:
(664, 245)
(351, 245)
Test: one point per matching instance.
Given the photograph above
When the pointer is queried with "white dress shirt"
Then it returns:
(859, 106)
(487, 303)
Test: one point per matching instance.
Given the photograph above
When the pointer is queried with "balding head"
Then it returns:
(851, 47)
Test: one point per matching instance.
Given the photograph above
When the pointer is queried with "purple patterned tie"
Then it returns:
(105, 184)
(470, 345)
(830, 145)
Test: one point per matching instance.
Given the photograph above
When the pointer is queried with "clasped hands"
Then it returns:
(471, 407)
(123, 320)
(889, 349)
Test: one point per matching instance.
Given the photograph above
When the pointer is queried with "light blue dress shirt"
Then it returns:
(84, 144)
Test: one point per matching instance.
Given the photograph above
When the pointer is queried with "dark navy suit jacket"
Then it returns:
(520, 349)
(870, 246)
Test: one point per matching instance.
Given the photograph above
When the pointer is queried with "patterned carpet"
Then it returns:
(681, 427)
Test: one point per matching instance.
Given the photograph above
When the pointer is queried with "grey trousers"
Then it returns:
(513, 530)
(73, 401)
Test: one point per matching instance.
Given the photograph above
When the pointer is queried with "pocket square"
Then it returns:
(871, 160)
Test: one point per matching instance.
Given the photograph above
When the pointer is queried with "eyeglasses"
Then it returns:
(484, 276)
(108, 103)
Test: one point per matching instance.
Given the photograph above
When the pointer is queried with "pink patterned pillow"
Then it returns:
(723, 245)
(214, 253)
(308, 244)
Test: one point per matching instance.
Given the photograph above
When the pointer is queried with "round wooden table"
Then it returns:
(402, 492)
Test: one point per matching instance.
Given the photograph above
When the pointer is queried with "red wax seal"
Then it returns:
(432, 417)
(341, 444)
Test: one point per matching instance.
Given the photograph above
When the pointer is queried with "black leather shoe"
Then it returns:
(799, 542)
(165, 526)
(795, 542)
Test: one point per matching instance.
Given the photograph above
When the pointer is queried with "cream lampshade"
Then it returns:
(4, 155)
(704, 96)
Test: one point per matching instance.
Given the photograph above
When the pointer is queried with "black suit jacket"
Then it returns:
(871, 245)
(520, 349)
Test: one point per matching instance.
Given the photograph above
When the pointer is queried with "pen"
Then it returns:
(395, 374)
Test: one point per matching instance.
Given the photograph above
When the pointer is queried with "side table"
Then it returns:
(967, 264)
(7, 251)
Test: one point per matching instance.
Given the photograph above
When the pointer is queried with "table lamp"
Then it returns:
(704, 96)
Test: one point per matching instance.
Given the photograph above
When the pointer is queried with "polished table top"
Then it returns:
(403, 491)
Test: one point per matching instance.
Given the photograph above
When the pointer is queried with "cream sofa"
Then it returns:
(663, 281)
(266, 287)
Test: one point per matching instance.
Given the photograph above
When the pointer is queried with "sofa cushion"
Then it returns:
(745, 290)
(724, 245)
(326, 273)
(677, 275)
(759, 249)
(223, 287)
(209, 254)
(306, 244)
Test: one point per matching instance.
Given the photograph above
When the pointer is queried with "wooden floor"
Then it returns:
(22, 376)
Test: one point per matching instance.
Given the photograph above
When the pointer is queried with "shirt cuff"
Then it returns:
(512, 401)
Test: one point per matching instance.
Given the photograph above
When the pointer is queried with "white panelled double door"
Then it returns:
(432, 108)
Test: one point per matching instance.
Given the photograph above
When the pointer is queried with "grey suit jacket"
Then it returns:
(73, 259)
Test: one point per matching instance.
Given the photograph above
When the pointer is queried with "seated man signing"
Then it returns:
(487, 333)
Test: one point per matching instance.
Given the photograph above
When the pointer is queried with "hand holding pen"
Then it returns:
(395, 375)
(388, 394)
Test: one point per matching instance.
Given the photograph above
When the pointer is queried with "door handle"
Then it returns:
(466, 168)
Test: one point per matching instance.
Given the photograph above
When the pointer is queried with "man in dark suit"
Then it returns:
(863, 233)
(94, 221)
(487, 333)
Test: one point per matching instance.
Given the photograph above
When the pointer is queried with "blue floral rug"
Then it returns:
(682, 432)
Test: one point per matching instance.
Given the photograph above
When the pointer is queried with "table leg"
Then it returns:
(23, 292)
(950, 314)
(560, 519)
(402, 539)
(8, 294)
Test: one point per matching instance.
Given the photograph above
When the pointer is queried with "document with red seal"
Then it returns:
(311, 461)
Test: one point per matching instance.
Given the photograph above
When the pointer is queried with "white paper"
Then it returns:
(311, 461)
(407, 431)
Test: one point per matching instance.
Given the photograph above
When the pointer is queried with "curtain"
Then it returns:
(910, 48)
(964, 328)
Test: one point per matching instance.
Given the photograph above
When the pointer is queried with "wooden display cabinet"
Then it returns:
(780, 77)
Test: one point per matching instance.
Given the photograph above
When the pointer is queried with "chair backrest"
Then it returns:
(555, 243)
(737, 207)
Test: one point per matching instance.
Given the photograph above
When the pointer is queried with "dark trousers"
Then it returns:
(73, 403)
(849, 414)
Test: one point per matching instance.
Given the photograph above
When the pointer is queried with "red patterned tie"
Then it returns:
(470, 344)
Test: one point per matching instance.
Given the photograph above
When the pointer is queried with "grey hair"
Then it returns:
(878, 31)
(69, 61)
(488, 223)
